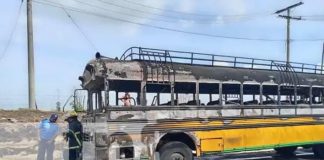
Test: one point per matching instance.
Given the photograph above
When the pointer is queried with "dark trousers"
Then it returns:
(74, 154)
(45, 147)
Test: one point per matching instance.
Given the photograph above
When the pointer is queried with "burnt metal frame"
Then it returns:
(241, 94)
(163, 56)
(156, 60)
(288, 76)
(170, 56)
(221, 107)
(287, 70)
(239, 106)
(220, 92)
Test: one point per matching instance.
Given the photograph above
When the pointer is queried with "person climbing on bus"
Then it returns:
(126, 99)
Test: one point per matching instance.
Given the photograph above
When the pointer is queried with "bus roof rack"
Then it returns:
(204, 59)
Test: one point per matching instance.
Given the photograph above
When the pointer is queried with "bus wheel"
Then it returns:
(318, 150)
(175, 151)
(286, 151)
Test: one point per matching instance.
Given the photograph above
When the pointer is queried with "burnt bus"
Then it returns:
(235, 104)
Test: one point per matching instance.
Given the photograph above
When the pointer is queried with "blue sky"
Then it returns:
(61, 51)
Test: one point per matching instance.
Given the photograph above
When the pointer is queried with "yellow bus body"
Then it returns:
(258, 138)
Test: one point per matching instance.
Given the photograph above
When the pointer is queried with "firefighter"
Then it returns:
(74, 136)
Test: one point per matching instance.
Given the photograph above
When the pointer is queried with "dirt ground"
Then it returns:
(19, 134)
(25, 115)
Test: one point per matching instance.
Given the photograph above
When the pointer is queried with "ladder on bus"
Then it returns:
(158, 66)
(288, 77)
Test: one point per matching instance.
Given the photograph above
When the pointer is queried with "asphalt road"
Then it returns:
(301, 154)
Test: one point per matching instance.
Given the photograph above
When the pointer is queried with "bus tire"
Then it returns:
(286, 151)
(175, 150)
(318, 150)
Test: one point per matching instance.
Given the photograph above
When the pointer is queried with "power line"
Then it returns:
(175, 19)
(137, 10)
(313, 18)
(161, 9)
(79, 28)
(172, 29)
(308, 40)
(169, 10)
(137, 3)
(150, 18)
(11, 32)
(210, 18)
(184, 13)
(131, 15)
(314, 15)
(160, 27)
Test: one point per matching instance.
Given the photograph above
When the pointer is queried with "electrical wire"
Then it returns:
(313, 17)
(168, 10)
(160, 27)
(208, 18)
(184, 13)
(3, 54)
(122, 13)
(213, 21)
(138, 11)
(174, 29)
(79, 28)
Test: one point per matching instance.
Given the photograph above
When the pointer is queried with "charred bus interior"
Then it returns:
(230, 93)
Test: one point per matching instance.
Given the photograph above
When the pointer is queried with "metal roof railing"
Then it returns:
(192, 58)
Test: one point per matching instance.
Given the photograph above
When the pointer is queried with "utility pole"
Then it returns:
(31, 71)
(288, 18)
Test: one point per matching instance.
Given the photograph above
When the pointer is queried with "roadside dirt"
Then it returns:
(25, 115)
(19, 134)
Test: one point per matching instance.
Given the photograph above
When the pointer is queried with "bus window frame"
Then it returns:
(220, 93)
(75, 96)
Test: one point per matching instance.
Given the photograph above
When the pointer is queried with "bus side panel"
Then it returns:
(235, 140)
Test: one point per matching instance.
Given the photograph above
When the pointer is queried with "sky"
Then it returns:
(64, 45)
